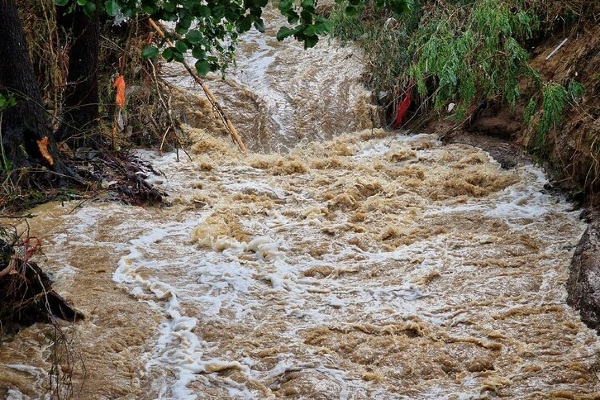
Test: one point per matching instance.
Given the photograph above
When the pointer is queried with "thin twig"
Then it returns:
(211, 97)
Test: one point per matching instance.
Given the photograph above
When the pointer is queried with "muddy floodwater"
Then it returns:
(359, 264)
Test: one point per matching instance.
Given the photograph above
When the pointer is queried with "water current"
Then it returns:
(358, 264)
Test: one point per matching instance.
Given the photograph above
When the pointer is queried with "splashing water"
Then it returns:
(279, 94)
(371, 265)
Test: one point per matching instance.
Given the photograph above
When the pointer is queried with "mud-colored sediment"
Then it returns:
(362, 264)
(368, 266)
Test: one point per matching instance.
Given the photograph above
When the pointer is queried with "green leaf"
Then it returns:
(170, 7)
(259, 25)
(286, 5)
(168, 54)
(204, 11)
(284, 32)
(181, 46)
(322, 27)
(308, 3)
(245, 23)
(149, 52)
(198, 53)
(90, 9)
(6, 102)
(148, 9)
(255, 4)
(177, 56)
(185, 22)
(292, 16)
(180, 30)
(307, 17)
(351, 10)
(193, 37)
(111, 7)
(310, 30)
(168, 16)
(310, 41)
(61, 2)
(203, 67)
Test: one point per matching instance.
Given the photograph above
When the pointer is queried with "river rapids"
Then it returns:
(337, 261)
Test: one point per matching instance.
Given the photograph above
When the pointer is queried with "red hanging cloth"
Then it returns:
(401, 111)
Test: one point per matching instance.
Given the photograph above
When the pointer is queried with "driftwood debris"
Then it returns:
(211, 97)
(26, 294)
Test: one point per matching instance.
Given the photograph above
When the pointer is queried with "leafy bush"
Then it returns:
(344, 26)
(461, 52)
(465, 52)
(554, 99)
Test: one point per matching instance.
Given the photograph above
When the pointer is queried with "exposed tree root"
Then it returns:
(26, 294)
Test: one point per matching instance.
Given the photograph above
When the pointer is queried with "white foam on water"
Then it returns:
(264, 283)
(305, 293)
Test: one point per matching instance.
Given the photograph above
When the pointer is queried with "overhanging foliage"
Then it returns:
(210, 29)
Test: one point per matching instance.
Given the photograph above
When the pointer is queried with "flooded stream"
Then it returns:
(368, 265)
(277, 94)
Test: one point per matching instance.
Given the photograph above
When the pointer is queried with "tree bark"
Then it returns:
(80, 119)
(24, 124)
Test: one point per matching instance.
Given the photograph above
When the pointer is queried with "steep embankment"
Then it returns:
(570, 150)
(572, 147)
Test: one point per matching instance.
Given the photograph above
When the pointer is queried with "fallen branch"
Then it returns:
(211, 97)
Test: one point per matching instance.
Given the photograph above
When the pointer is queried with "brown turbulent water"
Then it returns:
(371, 265)
(277, 94)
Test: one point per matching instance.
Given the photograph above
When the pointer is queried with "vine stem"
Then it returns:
(211, 97)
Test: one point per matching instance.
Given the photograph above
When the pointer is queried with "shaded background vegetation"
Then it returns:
(120, 53)
(460, 58)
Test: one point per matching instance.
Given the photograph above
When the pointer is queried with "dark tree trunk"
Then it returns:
(80, 119)
(24, 124)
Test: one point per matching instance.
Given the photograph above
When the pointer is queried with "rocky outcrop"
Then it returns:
(583, 285)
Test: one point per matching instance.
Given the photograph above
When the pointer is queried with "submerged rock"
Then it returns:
(583, 285)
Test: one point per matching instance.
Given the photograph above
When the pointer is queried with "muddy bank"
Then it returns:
(572, 147)
(508, 154)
